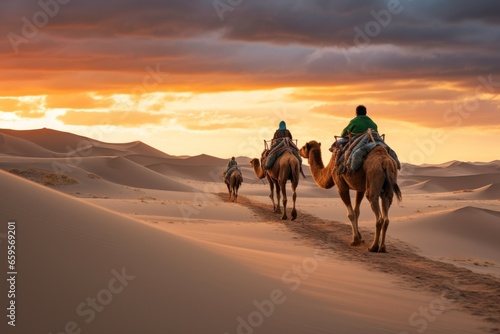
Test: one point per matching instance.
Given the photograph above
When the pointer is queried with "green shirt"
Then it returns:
(358, 125)
(232, 163)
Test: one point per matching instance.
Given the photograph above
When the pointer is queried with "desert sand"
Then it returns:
(133, 240)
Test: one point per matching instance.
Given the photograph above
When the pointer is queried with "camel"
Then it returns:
(233, 184)
(377, 178)
(286, 167)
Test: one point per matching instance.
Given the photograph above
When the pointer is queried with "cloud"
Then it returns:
(463, 113)
(214, 120)
(29, 107)
(9, 105)
(116, 118)
(78, 101)
(259, 45)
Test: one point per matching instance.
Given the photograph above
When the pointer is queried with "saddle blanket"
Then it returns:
(351, 157)
(276, 151)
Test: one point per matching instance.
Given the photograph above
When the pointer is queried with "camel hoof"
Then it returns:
(355, 243)
(373, 249)
(382, 250)
(284, 218)
(294, 215)
(277, 210)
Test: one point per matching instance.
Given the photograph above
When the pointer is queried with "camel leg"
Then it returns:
(386, 203)
(285, 200)
(229, 190)
(278, 195)
(271, 196)
(344, 195)
(359, 198)
(294, 198)
(378, 225)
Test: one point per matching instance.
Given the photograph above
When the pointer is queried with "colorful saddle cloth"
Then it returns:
(350, 157)
(279, 147)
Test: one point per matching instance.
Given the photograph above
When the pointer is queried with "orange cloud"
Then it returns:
(217, 121)
(116, 118)
(77, 101)
(466, 112)
(9, 105)
(32, 108)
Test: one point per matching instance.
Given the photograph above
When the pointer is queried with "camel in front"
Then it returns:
(377, 178)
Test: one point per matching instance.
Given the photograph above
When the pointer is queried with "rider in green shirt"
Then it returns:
(356, 126)
(359, 124)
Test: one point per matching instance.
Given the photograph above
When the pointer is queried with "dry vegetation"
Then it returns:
(45, 177)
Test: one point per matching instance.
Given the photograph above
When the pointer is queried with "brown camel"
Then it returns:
(286, 167)
(233, 184)
(377, 178)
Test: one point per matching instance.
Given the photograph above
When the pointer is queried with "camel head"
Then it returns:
(255, 162)
(304, 151)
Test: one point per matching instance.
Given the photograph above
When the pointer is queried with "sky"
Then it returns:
(217, 76)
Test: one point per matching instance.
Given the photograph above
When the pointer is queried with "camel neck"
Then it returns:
(321, 175)
(259, 172)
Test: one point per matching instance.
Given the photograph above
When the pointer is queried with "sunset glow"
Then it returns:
(188, 77)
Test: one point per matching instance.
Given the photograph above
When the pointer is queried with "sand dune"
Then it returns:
(52, 140)
(207, 173)
(74, 145)
(146, 280)
(66, 153)
(122, 171)
(411, 174)
(201, 261)
(491, 191)
(468, 232)
(117, 170)
(432, 184)
(77, 249)
(14, 146)
(146, 160)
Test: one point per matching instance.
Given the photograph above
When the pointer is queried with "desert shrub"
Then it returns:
(45, 177)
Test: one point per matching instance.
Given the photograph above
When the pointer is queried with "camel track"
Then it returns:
(474, 293)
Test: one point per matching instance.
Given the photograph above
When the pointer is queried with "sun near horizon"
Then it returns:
(218, 82)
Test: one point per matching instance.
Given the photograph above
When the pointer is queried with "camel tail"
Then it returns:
(397, 191)
(390, 184)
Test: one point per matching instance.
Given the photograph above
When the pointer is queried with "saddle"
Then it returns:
(227, 174)
(278, 147)
(350, 157)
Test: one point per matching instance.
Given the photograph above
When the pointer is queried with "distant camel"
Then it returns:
(233, 184)
(286, 167)
(377, 177)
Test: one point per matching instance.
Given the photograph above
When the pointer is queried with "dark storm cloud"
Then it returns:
(271, 43)
(317, 22)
